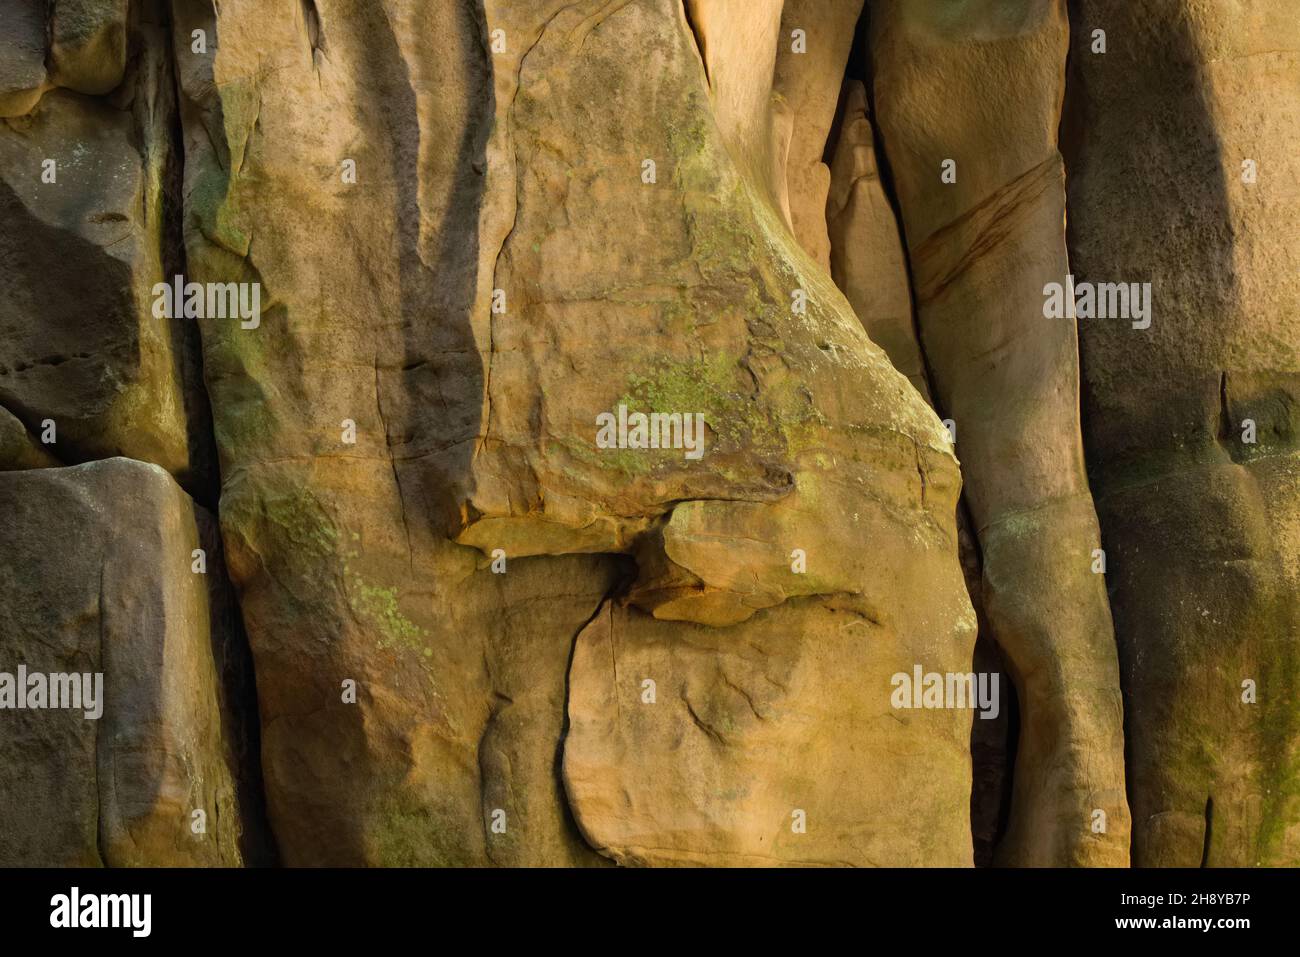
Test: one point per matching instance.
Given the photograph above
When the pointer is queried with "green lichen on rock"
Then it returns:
(302, 521)
(772, 424)
(208, 204)
(406, 832)
(1279, 758)
(378, 606)
(628, 461)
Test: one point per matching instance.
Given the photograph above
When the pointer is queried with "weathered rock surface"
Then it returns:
(806, 420)
(755, 728)
(477, 228)
(88, 44)
(814, 442)
(22, 56)
(19, 449)
(339, 549)
(867, 258)
(1199, 523)
(79, 45)
(800, 436)
(869, 264)
(97, 578)
(982, 88)
(83, 241)
(812, 51)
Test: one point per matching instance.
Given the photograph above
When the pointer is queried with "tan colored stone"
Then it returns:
(339, 550)
(22, 56)
(483, 639)
(982, 86)
(807, 422)
(748, 726)
(866, 256)
(809, 85)
(344, 569)
(1202, 529)
(738, 41)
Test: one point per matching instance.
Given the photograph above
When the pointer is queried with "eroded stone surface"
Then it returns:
(1200, 526)
(867, 258)
(981, 248)
(813, 445)
(97, 578)
(476, 227)
(339, 550)
(766, 743)
(84, 247)
(811, 55)
(88, 43)
(22, 56)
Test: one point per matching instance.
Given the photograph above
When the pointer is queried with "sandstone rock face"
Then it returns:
(577, 487)
(22, 56)
(983, 213)
(867, 257)
(81, 194)
(1198, 509)
(339, 549)
(18, 448)
(97, 579)
(79, 45)
(88, 44)
(812, 52)
(869, 263)
(793, 400)
(801, 409)
(746, 732)
(414, 773)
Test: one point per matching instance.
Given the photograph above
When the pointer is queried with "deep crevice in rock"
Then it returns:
(257, 839)
(627, 574)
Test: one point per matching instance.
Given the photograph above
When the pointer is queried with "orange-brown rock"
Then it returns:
(575, 450)
(1183, 175)
(968, 106)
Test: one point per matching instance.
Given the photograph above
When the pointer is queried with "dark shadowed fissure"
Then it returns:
(236, 673)
(187, 343)
(74, 364)
(698, 37)
(432, 399)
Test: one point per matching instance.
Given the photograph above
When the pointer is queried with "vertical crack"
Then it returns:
(603, 605)
(392, 463)
(699, 40)
(236, 672)
(993, 760)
